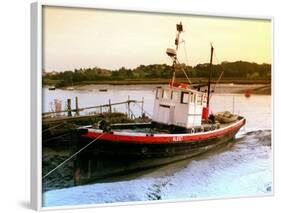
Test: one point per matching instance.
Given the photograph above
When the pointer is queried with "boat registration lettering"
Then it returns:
(178, 138)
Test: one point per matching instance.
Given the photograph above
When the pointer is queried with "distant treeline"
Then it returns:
(232, 70)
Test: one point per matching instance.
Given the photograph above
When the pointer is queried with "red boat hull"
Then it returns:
(110, 156)
(157, 146)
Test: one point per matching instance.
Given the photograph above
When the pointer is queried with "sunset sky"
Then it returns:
(82, 38)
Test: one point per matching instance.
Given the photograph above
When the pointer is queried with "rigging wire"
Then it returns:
(186, 58)
(185, 51)
(203, 39)
(182, 69)
(222, 72)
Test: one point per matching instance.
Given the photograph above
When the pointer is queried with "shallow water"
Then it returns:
(256, 109)
(243, 168)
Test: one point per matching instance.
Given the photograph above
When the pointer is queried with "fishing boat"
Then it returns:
(181, 126)
(52, 88)
(103, 90)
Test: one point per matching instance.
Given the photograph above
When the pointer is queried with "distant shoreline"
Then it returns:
(253, 88)
(163, 81)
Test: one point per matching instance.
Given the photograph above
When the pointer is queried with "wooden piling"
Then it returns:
(69, 107)
(76, 106)
(109, 106)
(129, 107)
(142, 103)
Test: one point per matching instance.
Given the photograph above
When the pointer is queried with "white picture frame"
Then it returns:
(36, 89)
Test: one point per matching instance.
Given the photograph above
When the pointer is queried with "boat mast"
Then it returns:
(179, 29)
(210, 75)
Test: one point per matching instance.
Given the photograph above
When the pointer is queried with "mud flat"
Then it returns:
(244, 168)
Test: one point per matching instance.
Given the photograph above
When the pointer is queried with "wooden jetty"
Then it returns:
(59, 130)
(77, 110)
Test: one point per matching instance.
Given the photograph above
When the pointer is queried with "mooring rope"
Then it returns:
(47, 183)
(76, 153)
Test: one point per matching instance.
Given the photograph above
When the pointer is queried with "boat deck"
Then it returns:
(155, 128)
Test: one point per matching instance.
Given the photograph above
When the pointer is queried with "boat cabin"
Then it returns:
(179, 105)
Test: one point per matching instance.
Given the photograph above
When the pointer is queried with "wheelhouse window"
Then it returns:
(192, 97)
(199, 99)
(165, 94)
(204, 99)
(184, 97)
(158, 93)
(175, 96)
